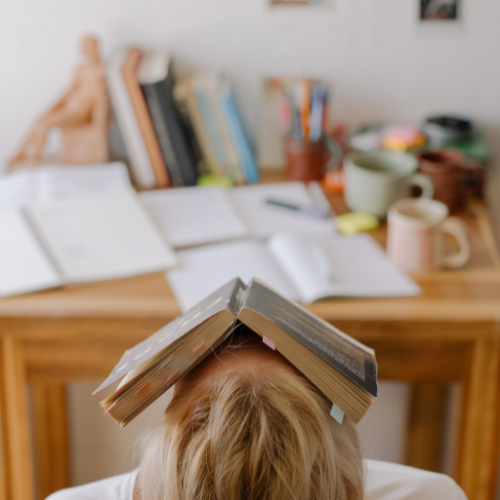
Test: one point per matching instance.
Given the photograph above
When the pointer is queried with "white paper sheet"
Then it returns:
(24, 266)
(203, 270)
(339, 266)
(57, 182)
(194, 216)
(100, 236)
(265, 220)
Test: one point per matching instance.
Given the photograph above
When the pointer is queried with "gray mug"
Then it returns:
(375, 180)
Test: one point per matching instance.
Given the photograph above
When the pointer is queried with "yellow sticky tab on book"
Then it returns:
(337, 414)
(355, 222)
(214, 180)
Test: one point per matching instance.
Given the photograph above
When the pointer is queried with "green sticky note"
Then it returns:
(337, 414)
(214, 180)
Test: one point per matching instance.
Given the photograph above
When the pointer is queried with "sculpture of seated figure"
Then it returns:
(81, 114)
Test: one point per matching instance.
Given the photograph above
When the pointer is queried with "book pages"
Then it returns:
(100, 236)
(57, 182)
(203, 270)
(339, 266)
(194, 216)
(24, 266)
(264, 220)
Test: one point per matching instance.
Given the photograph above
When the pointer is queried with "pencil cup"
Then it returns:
(309, 161)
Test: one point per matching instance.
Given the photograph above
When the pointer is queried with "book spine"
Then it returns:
(239, 137)
(183, 150)
(140, 164)
(160, 126)
(210, 127)
(129, 72)
(233, 161)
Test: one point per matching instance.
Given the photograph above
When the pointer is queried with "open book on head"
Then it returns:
(196, 216)
(302, 268)
(344, 370)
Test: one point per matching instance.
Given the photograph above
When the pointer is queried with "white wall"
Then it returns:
(380, 62)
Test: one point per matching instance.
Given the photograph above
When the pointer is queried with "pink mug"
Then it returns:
(416, 236)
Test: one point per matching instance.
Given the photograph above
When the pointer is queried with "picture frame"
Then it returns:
(439, 10)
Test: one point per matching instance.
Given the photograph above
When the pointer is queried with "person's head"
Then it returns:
(89, 47)
(246, 425)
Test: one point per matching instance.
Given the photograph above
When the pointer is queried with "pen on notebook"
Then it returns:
(315, 212)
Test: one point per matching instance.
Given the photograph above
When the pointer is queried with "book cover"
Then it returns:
(140, 163)
(235, 127)
(349, 357)
(155, 77)
(184, 97)
(129, 72)
(344, 370)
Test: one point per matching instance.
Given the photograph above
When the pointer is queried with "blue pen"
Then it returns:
(315, 212)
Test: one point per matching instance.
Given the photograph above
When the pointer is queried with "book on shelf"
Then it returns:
(344, 370)
(129, 72)
(208, 101)
(236, 130)
(140, 164)
(156, 79)
(72, 225)
(188, 107)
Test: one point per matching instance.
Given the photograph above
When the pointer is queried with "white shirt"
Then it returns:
(384, 481)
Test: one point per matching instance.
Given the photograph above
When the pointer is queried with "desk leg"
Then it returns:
(478, 457)
(425, 426)
(18, 467)
(51, 437)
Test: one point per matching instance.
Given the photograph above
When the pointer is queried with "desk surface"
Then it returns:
(447, 334)
(471, 293)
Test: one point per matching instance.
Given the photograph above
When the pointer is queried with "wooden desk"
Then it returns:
(450, 333)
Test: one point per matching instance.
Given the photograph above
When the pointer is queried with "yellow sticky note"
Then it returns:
(355, 222)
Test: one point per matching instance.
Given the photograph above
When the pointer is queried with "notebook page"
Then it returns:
(265, 220)
(17, 189)
(57, 182)
(204, 269)
(24, 266)
(100, 236)
(339, 267)
(193, 215)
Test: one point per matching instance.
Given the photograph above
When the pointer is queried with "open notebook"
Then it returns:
(91, 237)
(302, 268)
(57, 182)
(193, 216)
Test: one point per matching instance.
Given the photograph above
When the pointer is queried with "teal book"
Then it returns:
(235, 126)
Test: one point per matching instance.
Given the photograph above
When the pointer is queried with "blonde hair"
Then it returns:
(251, 435)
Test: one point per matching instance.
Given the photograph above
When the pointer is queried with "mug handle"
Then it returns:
(455, 228)
(336, 154)
(424, 183)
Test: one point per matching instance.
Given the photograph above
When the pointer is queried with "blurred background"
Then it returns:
(381, 63)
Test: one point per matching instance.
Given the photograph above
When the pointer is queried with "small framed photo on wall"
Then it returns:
(439, 10)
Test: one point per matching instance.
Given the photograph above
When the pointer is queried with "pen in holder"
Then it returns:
(309, 151)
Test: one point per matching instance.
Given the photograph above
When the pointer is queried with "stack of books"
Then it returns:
(174, 131)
